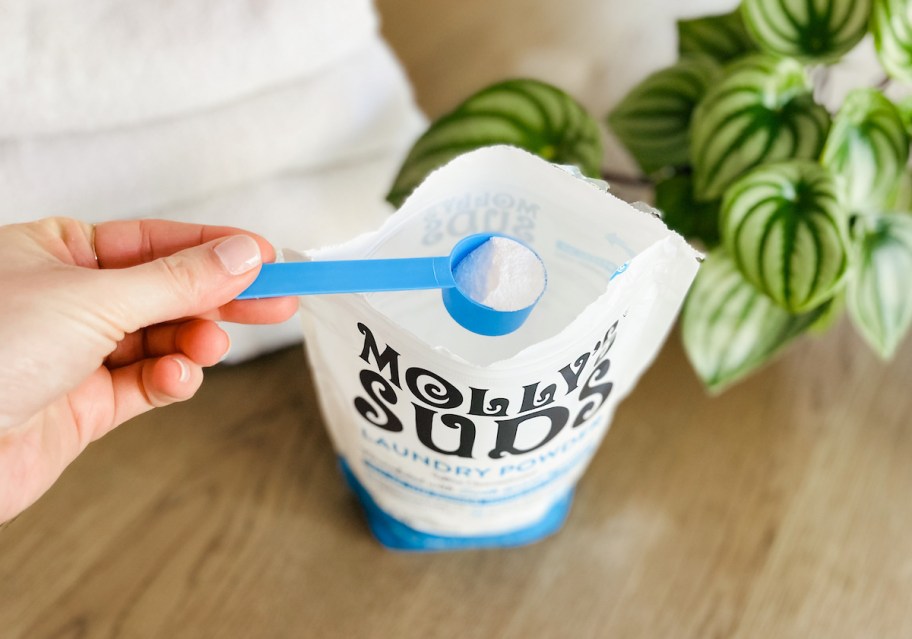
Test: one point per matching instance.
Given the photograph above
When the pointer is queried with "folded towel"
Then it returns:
(299, 211)
(358, 106)
(76, 66)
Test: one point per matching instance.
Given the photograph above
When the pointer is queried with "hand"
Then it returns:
(100, 324)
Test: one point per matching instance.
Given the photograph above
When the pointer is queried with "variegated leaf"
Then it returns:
(867, 149)
(680, 211)
(722, 37)
(653, 120)
(902, 196)
(787, 232)
(830, 313)
(729, 328)
(879, 292)
(528, 114)
(891, 24)
(762, 111)
(904, 106)
(810, 30)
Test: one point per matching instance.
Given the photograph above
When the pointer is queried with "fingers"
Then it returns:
(169, 270)
(187, 283)
(200, 340)
(152, 383)
(127, 243)
(265, 311)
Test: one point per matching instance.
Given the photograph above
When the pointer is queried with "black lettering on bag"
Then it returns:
(436, 392)
(388, 357)
(381, 393)
(594, 393)
(496, 406)
(424, 425)
(507, 430)
(531, 402)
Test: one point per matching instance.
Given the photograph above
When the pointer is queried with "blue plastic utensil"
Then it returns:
(401, 274)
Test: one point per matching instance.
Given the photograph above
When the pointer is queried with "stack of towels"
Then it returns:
(286, 117)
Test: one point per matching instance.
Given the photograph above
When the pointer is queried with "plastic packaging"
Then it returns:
(456, 440)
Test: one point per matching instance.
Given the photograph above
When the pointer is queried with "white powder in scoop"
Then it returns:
(502, 274)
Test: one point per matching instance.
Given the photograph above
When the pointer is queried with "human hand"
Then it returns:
(86, 343)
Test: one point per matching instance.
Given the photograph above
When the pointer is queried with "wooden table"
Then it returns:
(780, 509)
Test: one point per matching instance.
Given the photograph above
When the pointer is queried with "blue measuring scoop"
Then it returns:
(399, 274)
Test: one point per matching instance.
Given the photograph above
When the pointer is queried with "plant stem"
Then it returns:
(625, 180)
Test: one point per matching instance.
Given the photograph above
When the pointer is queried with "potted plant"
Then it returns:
(804, 212)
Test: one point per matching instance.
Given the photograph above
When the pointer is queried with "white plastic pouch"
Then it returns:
(456, 440)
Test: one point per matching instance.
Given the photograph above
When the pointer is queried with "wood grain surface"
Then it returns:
(779, 510)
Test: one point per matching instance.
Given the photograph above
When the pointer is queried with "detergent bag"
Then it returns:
(456, 440)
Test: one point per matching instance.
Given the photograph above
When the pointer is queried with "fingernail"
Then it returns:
(184, 370)
(238, 254)
(227, 350)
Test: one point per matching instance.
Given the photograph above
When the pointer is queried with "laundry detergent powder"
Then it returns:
(456, 440)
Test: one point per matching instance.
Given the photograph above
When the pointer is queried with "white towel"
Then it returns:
(299, 211)
(358, 106)
(84, 64)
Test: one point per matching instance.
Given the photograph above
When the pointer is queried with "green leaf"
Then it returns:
(729, 328)
(692, 219)
(830, 312)
(653, 120)
(902, 195)
(879, 293)
(891, 24)
(808, 30)
(528, 114)
(904, 107)
(722, 37)
(761, 111)
(867, 149)
(787, 232)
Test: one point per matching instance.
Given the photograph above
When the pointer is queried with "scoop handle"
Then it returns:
(350, 276)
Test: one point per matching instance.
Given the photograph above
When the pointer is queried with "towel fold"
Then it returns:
(359, 106)
(77, 66)
(298, 211)
(286, 117)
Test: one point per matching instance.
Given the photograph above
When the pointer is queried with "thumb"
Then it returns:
(186, 283)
